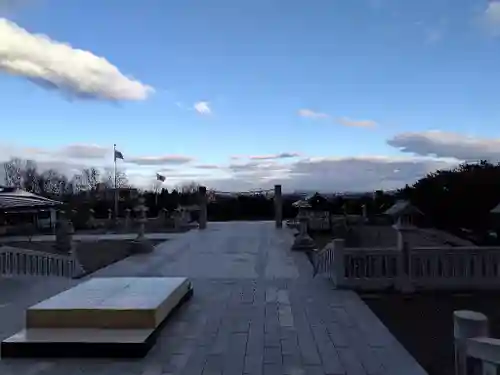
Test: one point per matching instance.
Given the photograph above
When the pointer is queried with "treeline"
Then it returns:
(450, 199)
(459, 198)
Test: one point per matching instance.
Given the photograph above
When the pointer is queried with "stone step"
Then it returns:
(103, 317)
(110, 303)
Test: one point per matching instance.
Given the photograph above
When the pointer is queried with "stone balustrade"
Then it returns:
(409, 269)
(22, 262)
(475, 352)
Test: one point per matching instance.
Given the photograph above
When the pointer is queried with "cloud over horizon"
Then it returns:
(55, 65)
(159, 160)
(447, 145)
(431, 151)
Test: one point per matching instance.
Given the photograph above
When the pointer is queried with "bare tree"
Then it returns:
(90, 178)
(108, 179)
(189, 188)
(52, 182)
(30, 176)
(13, 172)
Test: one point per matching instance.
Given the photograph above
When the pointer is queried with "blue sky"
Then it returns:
(329, 79)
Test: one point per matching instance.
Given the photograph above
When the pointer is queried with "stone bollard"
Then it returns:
(278, 207)
(466, 325)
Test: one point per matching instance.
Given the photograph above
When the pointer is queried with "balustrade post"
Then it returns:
(403, 280)
(466, 325)
(338, 261)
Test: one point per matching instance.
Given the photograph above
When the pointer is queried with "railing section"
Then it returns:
(21, 262)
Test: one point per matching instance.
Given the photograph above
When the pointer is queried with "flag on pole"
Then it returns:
(159, 177)
(118, 155)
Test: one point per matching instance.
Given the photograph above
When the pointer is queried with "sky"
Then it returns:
(326, 95)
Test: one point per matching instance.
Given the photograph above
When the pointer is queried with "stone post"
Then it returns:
(64, 233)
(364, 213)
(141, 209)
(163, 216)
(91, 222)
(278, 207)
(141, 244)
(177, 219)
(202, 196)
(466, 325)
(127, 218)
(403, 281)
(338, 264)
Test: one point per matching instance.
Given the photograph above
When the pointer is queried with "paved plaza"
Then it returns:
(256, 310)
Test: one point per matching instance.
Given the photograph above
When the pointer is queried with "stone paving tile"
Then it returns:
(256, 310)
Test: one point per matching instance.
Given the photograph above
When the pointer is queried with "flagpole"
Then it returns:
(116, 190)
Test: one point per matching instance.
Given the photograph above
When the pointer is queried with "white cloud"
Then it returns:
(447, 145)
(356, 173)
(203, 108)
(357, 123)
(56, 65)
(308, 113)
(490, 18)
(363, 173)
(283, 155)
(207, 166)
(160, 160)
(85, 151)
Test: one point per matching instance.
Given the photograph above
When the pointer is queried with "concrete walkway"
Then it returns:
(256, 310)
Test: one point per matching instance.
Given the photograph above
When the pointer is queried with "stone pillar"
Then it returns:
(177, 219)
(163, 216)
(202, 196)
(141, 243)
(466, 325)
(91, 222)
(64, 234)
(141, 209)
(364, 213)
(127, 218)
(278, 207)
(403, 281)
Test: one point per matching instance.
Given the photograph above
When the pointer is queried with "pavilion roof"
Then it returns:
(402, 207)
(15, 199)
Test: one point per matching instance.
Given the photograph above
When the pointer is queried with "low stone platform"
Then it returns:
(103, 317)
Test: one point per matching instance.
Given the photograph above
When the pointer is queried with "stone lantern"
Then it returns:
(141, 209)
(141, 243)
(303, 242)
